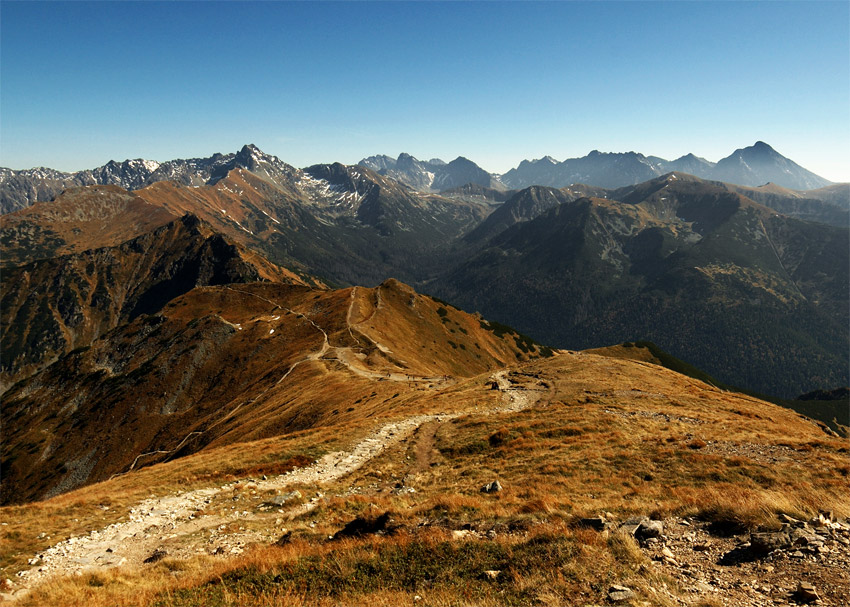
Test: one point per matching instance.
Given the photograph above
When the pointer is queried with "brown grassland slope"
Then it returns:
(233, 363)
(572, 436)
(78, 220)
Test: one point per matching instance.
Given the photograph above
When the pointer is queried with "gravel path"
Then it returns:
(181, 516)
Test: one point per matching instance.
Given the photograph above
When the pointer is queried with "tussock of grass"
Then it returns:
(553, 559)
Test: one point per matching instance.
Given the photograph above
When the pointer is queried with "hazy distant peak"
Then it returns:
(751, 166)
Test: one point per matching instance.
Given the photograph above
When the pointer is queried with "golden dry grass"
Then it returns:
(606, 435)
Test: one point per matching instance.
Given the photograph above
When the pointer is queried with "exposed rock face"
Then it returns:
(492, 487)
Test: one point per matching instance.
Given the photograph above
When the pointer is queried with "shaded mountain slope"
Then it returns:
(52, 306)
(472, 191)
(346, 224)
(754, 298)
(528, 204)
(233, 363)
(830, 205)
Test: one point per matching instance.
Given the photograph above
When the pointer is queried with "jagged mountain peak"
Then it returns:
(249, 154)
(432, 175)
(20, 189)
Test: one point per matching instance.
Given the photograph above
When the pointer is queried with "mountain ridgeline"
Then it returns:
(221, 364)
(748, 283)
(751, 166)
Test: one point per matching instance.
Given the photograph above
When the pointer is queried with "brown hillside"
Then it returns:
(234, 363)
(242, 205)
(78, 220)
(54, 305)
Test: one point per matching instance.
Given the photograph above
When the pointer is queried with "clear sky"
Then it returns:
(82, 83)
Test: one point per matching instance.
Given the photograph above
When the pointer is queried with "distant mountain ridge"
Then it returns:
(474, 246)
(756, 165)
(20, 189)
(751, 166)
(713, 276)
(433, 175)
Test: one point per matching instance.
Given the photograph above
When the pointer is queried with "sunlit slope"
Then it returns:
(569, 437)
(232, 363)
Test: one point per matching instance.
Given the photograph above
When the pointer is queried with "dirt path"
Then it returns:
(426, 444)
(346, 355)
(182, 518)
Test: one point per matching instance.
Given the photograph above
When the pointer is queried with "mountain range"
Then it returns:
(433, 175)
(679, 260)
(714, 277)
(756, 165)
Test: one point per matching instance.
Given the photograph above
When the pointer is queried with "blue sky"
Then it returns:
(82, 83)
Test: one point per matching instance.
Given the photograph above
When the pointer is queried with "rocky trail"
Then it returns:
(805, 562)
(192, 522)
(347, 356)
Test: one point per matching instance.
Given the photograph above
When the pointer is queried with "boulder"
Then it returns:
(364, 525)
(763, 543)
(492, 487)
(595, 522)
(801, 537)
(806, 593)
(619, 594)
(648, 529)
